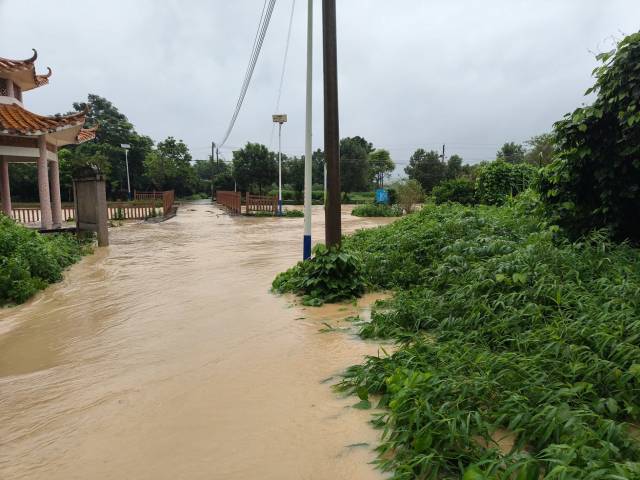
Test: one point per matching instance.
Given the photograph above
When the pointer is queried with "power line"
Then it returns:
(284, 67)
(263, 25)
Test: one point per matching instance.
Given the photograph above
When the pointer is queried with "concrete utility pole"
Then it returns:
(443, 158)
(213, 146)
(333, 227)
(126, 147)
(308, 161)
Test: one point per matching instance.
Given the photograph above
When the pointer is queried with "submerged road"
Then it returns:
(164, 356)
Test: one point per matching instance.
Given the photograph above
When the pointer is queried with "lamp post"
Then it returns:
(126, 147)
(279, 119)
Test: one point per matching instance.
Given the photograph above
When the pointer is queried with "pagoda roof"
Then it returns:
(65, 129)
(23, 72)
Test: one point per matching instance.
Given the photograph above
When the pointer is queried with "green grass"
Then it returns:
(504, 325)
(30, 261)
(376, 210)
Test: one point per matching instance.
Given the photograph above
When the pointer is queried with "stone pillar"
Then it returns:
(4, 187)
(43, 185)
(56, 202)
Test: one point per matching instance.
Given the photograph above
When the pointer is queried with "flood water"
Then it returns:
(164, 356)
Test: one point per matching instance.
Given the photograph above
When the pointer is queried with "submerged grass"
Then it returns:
(504, 326)
(30, 261)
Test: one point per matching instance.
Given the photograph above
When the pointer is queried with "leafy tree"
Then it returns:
(460, 190)
(175, 155)
(161, 170)
(454, 166)
(511, 153)
(380, 166)
(254, 167)
(354, 164)
(410, 193)
(427, 168)
(594, 181)
(114, 130)
(498, 180)
(317, 159)
(541, 150)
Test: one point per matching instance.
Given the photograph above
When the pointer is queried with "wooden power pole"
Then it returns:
(333, 228)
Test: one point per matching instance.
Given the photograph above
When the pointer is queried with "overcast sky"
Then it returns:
(412, 73)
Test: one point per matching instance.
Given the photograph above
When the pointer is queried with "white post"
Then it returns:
(43, 185)
(126, 161)
(279, 168)
(308, 163)
(56, 202)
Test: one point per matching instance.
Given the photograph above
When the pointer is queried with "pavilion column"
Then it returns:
(56, 202)
(43, 184)
(4, 186)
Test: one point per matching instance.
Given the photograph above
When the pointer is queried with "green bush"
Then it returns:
(329, 276)
(499, 180)
(506, 326)
(29, 261)
(594, 182)
(460, 190)
(376, 210)
(294, 213)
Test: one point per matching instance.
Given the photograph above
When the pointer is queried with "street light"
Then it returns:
(279, 119)
(126, 147)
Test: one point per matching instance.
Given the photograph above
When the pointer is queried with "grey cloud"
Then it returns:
(412, 73)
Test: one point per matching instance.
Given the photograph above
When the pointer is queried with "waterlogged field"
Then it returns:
(519, 351)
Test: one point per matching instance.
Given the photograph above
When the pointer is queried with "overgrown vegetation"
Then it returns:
(500, 180)
(329, 276)
(30, 261)
(595, 180)
(460, 190)
(506, 328)
(294, 213)
(377, 210)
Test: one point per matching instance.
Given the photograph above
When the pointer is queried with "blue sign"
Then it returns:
(382, 196)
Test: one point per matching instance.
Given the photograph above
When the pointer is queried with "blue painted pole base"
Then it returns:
(279, 208)
(306, 247)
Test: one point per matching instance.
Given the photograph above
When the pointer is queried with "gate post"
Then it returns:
(90, 199)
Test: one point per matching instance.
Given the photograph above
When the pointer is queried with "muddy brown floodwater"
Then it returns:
(164, 356)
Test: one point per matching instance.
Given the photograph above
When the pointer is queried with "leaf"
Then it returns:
(363, 393)
(474, 473)
(363, 405)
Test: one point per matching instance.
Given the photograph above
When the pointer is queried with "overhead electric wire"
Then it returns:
(263, 25)
(284, 67)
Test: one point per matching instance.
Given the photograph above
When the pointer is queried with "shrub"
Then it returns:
(460, 190)
(29, 261)
(594, 182)
(294, 213)
(507, 328)
(410, 193)
(330, 275)
(376, 210)
(498, 180)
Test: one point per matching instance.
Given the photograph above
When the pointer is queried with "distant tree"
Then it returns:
(254, 167)
(161, 170)
(114, 129)
(294, 174)
(317, 158)
(354, 164)
(380, 166)
(541, 150)
(176, 153)
(454, 166)
(511, 153)
(409, 194)
(427, 168)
